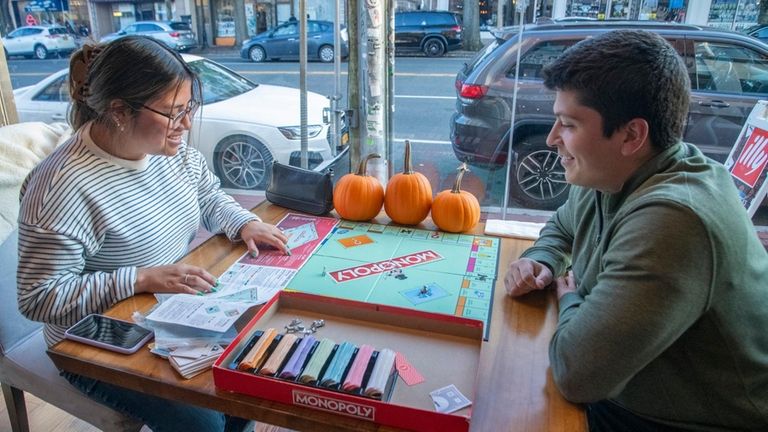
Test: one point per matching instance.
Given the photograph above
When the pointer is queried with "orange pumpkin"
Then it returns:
(409, 194)
(455, 210)
(358, 196)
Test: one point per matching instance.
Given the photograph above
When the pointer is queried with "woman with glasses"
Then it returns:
(109, 213)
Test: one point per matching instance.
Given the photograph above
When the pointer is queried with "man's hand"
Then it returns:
(565, 284)
(255, 232)
(174, 278)
(526, 275)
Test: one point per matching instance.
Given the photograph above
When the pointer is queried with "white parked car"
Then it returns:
(240, 129)
(39, 41)
(178, 35)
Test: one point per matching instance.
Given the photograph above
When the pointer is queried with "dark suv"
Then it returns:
(728, 71)
(432, 32)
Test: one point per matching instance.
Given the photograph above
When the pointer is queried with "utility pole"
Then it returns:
(376, 76)
(353, 83)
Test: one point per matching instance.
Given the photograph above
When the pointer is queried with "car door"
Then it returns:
(14, 42)
(727, 79)
(49, 104)
(284, 41)
(409, 29)
(314, 38)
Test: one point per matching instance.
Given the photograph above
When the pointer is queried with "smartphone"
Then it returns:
(109, 333)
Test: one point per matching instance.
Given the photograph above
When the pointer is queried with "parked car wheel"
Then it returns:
(243, 162)
(257, 54)
(434, 47)
(41, 52)
(325, 54)
(539, 177)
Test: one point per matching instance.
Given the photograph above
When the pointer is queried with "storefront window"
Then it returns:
(225, 21)
(583, 8)
(733, 14)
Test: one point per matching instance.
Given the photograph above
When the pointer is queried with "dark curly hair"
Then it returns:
(626, 74)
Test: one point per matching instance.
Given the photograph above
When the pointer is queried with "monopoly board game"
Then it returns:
(406, 267)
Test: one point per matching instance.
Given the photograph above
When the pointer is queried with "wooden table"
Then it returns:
(515, 391)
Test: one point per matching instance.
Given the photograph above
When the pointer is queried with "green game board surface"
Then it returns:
(459, 282)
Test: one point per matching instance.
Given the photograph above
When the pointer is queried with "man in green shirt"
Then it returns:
(663, 321)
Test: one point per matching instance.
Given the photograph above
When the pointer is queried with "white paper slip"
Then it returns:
(199, 312)
(449, 399)
(517, 229)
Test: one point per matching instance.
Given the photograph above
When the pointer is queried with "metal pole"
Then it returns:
(303, 82)
(337, 52)
(390, 71)
(521, 5)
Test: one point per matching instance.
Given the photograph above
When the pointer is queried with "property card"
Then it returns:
(449, 399)
(407, 372)
(252, 284)
(305, 234)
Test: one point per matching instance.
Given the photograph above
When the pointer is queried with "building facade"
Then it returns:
(214, 20)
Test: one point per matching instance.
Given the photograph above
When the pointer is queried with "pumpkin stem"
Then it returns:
(407, 161)
(361, 169)
(457, 184)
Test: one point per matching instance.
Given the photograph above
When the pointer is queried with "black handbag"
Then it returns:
(301, 189)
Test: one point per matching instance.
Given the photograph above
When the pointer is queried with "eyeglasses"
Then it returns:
(190, 110)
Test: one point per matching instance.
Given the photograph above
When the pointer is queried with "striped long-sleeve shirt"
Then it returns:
(88, 220)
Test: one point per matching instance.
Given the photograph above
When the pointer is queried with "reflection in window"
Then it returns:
(219, 83)
(729, 69)
(285, 30)
(532, 62)
(56, 91)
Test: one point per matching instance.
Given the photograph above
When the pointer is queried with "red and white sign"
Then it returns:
(752, 159)
(417, 258)
(30, 20)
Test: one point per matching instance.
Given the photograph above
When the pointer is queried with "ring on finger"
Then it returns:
(186, 276)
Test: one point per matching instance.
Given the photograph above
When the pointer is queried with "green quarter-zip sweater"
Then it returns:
(670, 318)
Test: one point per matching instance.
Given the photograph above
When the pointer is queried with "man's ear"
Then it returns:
(635, 137)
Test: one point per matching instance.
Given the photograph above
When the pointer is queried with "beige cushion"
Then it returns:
(22, 146)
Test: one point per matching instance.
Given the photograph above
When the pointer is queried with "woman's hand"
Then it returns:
(254, 233)
(174, 278)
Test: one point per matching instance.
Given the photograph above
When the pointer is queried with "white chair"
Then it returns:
(24, 364)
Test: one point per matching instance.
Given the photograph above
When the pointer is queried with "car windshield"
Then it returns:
(219, 83)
